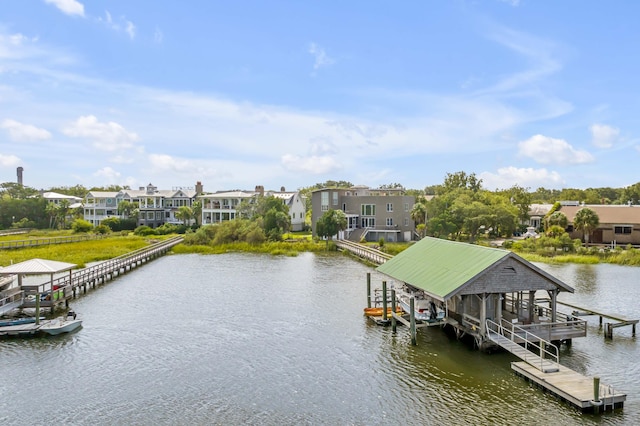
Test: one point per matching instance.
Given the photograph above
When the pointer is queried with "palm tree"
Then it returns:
(52, 211)
(197, 211)
(587, 221)
(184, 214)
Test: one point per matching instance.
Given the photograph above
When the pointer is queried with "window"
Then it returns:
(622, 229)
(368, 222)
(150, 215)
(324, 201)
(406, 221)
(334, 197)
(406, 207)
(389, 207)
(389, 221)
(367, 209)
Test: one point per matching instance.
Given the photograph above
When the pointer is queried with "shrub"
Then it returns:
(102, 229)
(81, 225)
(144, 230)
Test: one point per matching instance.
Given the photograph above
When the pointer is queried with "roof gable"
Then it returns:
(440, 267)
(443, 268)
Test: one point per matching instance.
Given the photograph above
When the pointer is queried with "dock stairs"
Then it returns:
(530, 348)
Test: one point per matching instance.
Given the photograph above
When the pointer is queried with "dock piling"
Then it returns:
(412, 321)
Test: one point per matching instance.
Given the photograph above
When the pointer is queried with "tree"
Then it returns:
(587, 221)
(128, 209)
(197, 211)
(558, 219)
(52, 212)
(185, 214)
(330, 223)
(63, 212)
(419, 212)
(17, 191)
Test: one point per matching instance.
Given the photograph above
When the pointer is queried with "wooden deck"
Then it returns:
(572, 387)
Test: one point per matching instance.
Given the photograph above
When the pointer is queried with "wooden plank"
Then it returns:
(568, 385)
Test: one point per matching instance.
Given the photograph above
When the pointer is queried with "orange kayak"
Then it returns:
(377, 312)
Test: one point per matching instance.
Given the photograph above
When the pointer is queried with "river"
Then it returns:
(264, 340)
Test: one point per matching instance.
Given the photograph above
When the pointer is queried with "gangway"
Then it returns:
(530, 348)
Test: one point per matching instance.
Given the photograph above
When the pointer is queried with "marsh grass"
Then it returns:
(79, 253)
(280, 248)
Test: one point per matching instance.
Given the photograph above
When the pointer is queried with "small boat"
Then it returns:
(425, 308)
(60, 325)
(377, 312)
(18, 321)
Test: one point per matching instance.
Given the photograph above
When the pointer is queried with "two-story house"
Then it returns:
(296, 204)
(371, 214)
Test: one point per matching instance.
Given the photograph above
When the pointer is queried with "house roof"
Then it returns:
(442, 267)
(37, 267)
(613, 214)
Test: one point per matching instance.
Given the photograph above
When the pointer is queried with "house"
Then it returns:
(155, 207)
(619, 224)
(473, 284)
(223, 206)
(99, 205)
(55, 198)
(371, 213)
(296, 204)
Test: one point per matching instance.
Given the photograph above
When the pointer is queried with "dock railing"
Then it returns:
(82, 276)
(365, 252)
(35, 242)
(546, 351)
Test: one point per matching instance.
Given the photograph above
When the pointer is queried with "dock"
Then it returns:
(620, 320)
(572, 387)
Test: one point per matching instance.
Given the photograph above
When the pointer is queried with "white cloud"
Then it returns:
(604, 136)
(547, 150)
(69, 7)
(108, 173)
(109, 136)
(122, 24)
(24, 132)
(158, 36)
(312, 164)
(321, 57)
(9, 160)
(507, 177)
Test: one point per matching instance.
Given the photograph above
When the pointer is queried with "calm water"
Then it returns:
(250, 339)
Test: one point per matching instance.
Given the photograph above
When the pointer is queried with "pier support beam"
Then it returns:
(412, 321)
(368, 289)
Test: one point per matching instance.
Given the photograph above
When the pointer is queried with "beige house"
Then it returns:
(619, 224)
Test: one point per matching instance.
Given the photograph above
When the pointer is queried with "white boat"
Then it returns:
(424, 307)
(60, 325)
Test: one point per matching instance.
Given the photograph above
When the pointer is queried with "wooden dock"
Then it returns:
(572, 387)
(579, 311)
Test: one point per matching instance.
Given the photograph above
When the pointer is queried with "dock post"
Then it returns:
(394, 324)
(608, 331)
(384, 301)
(596, 395)
(368, 289)
(412, 321)
(37, 308)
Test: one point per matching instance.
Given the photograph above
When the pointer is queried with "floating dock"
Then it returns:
(572, 387)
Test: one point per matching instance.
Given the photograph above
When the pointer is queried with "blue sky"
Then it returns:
(291, 93)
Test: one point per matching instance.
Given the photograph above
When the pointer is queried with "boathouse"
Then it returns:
(480, 287)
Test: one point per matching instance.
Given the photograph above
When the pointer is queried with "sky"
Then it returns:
(234, 94)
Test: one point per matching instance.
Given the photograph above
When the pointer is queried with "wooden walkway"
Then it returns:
(621, 320)
(35, 242)
(364, 252)
(572, 387)
(82, 279)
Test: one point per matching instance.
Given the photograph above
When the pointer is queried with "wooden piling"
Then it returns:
(368, 289)
(412, 321)
(384, 301)
(394, 323)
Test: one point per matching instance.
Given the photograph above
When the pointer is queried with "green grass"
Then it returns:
(79, 253)
(284, 248)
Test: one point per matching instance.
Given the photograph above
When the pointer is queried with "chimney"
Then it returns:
(282, 189)
(20, 169)
(260, 190)
(199, 188)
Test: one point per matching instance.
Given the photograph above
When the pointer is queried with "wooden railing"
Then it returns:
(362, 251)
(81, 277)
(34, 242)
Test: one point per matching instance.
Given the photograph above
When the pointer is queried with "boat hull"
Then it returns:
(60, 327)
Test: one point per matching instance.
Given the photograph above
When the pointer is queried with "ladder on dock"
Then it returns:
(530, 348)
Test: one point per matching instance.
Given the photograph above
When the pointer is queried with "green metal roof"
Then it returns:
(440, 267)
